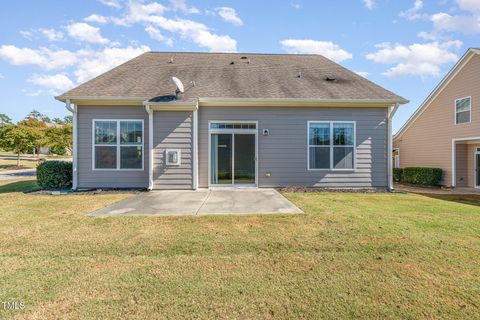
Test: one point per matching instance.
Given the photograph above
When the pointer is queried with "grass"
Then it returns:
(11, 164)
(350, 256)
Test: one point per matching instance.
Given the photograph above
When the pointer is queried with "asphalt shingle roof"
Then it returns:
(232, 75)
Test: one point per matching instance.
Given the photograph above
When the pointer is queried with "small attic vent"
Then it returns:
(330, 79)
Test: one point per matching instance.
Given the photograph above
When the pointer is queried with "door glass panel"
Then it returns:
(244, 159)
(221, 159)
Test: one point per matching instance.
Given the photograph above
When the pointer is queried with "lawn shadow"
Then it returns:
(20, 186)
(471, 199)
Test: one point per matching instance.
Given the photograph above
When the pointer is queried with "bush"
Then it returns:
(54, 174)
(397, 174)
(422, 176)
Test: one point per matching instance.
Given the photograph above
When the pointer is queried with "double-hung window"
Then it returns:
(331, 145)
(463, 108)
(118, 144)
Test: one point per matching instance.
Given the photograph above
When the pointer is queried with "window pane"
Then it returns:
(105, 132)
(463, 105)
(343, 134)
(463, 117)
(131, 132)
(319, 157)
(131, 157)
(319, 134)
(105, 157)
(343, 157)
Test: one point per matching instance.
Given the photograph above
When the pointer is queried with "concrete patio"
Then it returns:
(201, 202)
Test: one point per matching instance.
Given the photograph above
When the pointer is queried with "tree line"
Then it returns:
(36, 131)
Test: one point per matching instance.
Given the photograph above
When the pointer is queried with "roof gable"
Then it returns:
(438, 89)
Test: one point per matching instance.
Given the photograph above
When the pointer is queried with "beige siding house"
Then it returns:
(233, 120)
(445, 130)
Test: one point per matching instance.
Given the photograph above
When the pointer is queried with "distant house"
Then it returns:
(444, 132)
(238, 120)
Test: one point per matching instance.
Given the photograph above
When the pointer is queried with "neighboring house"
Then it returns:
(444, 132)
(264, 120)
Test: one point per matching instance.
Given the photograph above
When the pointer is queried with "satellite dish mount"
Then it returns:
(180, 88)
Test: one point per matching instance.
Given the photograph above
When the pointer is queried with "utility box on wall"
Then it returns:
(173, 157)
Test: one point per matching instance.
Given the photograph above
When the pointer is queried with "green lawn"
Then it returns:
(350, 256)
(11, 164)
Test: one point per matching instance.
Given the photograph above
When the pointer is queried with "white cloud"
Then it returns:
(462, 23)
(362, 73)
(229, 15)
(26, 34)
(56, 83)
(111, 3)
(43, 57)
(181, 5)
(414, 12)
(2, 76)
(155, 34)
(82, 31)
(200, 34)
(94, 63)
(295, 5)
(95, 18)
(139, 12)
(416, 59)
(369, 4)
(51, 34)
(326, 48)
(472, 6)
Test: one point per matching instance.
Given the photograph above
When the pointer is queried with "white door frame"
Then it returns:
(232, 132)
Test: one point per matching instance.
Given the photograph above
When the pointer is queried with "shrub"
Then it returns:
(54, 174)
(397, 174)
(422, 176)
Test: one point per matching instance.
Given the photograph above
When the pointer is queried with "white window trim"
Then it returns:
(117, 145)
(331, 146)
(469, 111)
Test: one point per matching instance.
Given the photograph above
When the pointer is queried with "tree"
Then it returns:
(4, 119)
(57, 121)
(35, 114)
(19, 139)
(59, 139)
(68, 119)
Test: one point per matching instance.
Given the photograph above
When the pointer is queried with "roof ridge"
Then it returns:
(239, 53)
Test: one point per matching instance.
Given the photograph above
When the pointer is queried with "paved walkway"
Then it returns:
(425, 190)
(200, 202)
(14, 174)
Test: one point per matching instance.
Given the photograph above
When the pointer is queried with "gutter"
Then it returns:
(150, 146)
(391, 112)
(75, 143)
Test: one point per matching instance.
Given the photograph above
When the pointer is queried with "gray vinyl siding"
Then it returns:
(88, 178)
(284, 152)
(172, 130)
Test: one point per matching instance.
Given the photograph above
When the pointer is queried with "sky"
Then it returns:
(405, 46)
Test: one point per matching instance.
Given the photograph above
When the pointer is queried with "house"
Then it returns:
(264, 120)
(444, 132)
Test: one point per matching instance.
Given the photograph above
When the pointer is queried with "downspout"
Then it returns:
(391, 112)
(150, 145)
(195, 148)
(75, 143)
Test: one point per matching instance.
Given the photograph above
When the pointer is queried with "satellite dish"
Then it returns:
(179, 84)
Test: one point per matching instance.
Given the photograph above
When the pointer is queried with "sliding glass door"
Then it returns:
(244, 160)
(221, 158)
(232, 156)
